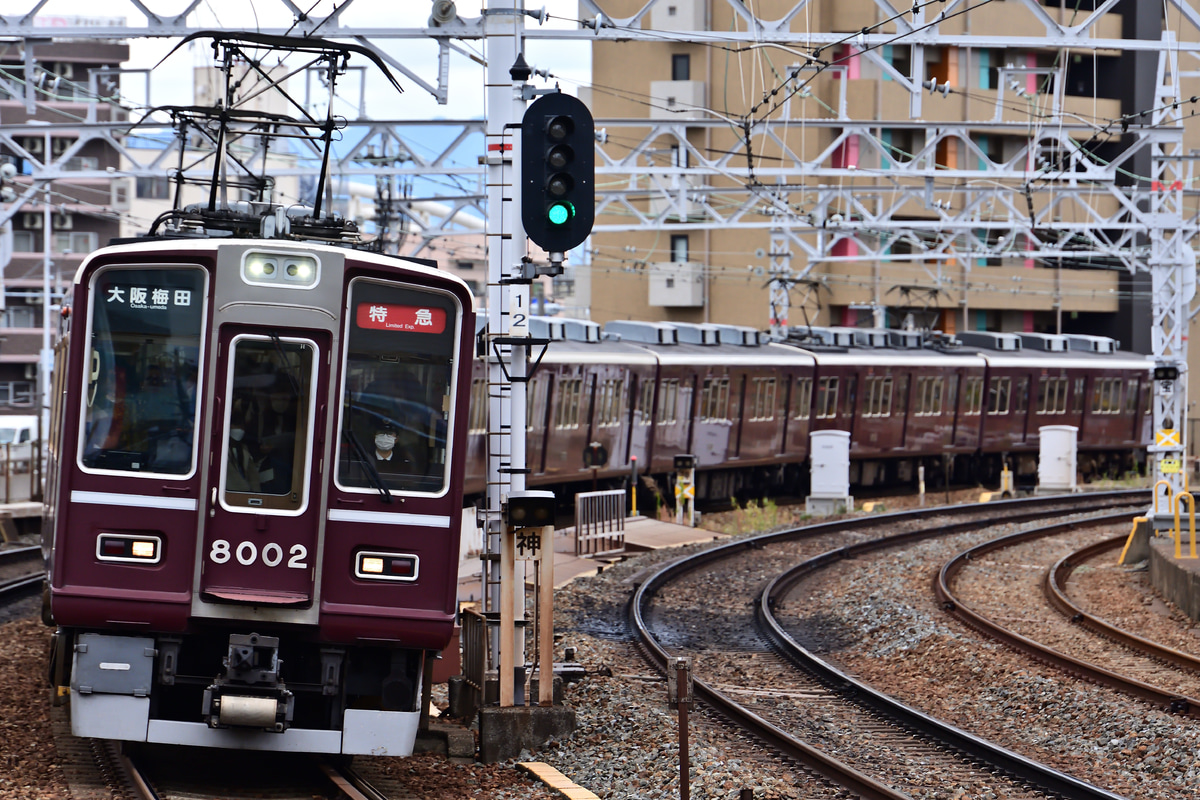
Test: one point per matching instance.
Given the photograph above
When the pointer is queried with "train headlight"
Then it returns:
(129, 548)
(300, 270)
(377, 566)
(275, 269)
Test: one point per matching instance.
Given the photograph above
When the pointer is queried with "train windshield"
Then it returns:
(398, 383)
(139, 404)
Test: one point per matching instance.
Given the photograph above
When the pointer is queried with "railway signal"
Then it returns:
(558, 169)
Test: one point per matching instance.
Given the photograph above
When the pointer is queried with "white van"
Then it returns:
(18, 429)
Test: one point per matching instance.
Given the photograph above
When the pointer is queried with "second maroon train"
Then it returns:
(745, 405)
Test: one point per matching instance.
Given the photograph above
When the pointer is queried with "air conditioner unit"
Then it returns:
(30, 371)
(59, 145)
(62, 222)
(33, 299)
(35, 145)
(31, 221)
(65, 70)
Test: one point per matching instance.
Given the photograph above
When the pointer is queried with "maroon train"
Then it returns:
(254, 493)
(745, 406)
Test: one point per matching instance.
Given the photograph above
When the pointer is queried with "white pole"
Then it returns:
(508, 315)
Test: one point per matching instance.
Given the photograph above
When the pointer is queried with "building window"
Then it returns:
(679, 248)
(154, 188)
(681, 67)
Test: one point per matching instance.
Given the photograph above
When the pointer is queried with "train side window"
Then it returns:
(900, 406)
(802, 407)
(999, 392)
(1042, 395)
(479, 406)
(1077, 396)
(827, 395)
(851, 391)
(399, 387)
(668, 402)
(714, 400)
(1060, 407)
(535, 403)
(645, 402)
(1021, 395)
(936, 395)
(566, 403)
(1131, 396)
(763, 408)
(974, 396)
(610, 402)
(139, 403)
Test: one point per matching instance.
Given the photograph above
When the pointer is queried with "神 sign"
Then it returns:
(387, 317)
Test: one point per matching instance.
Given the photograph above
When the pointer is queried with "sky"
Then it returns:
(171, 80)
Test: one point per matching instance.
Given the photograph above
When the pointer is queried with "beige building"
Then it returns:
(720, 275)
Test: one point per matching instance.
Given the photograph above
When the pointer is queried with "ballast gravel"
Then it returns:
(626, 743)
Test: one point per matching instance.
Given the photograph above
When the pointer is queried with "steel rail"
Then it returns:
(1004, 511)
(1168, 701)
(1056, 593)
(1014, 764)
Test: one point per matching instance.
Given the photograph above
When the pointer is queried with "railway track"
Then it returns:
(864, 742)
(20, 572)
(160, 773)
(1166, 678)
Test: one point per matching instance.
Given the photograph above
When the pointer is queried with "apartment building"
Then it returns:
(73, 214)
(721, 274)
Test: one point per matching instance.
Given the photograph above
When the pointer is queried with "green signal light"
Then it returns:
(559, 213)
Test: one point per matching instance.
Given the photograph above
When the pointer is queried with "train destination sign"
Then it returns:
(389, 317)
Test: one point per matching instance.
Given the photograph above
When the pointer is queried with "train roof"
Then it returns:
(1072, 359)
(606, 351)
(210, 244)
(729, 354)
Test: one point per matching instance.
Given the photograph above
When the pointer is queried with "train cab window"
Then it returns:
(999, 395)
(827, 395)
(139, 402)
(802, 404)
(1147, 406)
(398, 386)
(269, 414)
(973, 401)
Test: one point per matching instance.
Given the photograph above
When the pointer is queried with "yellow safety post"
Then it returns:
(1170, 499)
(1129, 541)
(1192, 518)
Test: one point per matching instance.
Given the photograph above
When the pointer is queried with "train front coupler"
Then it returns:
(250, 694)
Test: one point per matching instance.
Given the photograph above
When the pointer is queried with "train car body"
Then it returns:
(746, 408)
(254, 493)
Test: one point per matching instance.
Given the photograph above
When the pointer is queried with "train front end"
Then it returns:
(255, 491)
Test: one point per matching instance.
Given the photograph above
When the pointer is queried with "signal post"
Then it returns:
(541, 185)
